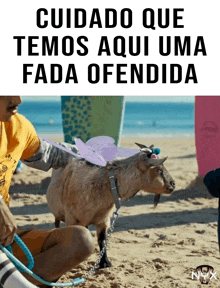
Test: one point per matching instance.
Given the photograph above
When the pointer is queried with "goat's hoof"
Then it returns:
(106, 264)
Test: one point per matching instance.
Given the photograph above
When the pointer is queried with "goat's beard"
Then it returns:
(156, 199)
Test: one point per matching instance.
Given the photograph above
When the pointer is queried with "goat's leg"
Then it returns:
(101, 234)
(57, 223)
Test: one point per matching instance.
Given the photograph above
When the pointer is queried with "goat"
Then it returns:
(80, 193)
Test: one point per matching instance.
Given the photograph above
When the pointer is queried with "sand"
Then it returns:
(149, 247)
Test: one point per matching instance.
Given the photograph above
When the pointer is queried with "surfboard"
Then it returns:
(86, 117)
(207, 133)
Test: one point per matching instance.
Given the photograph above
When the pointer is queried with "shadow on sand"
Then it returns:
(196, 189)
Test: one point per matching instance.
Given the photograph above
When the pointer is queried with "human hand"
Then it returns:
(8, 226)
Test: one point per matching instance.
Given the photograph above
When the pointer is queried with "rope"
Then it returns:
(26, 251)
(35, 276)
(76, 281)
(21, 267)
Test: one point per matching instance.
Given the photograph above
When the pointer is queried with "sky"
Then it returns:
(188, 99)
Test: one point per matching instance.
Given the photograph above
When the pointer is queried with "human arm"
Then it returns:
(49, 156)
(8, 225)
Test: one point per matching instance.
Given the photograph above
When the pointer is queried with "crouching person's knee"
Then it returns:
(86, 241)
(65, 248)
(82, 243)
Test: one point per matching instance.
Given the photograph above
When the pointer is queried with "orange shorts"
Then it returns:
(33, 239)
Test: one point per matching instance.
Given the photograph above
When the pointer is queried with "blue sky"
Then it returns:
(127, 98)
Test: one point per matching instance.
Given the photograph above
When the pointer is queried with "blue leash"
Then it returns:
(26, 251)
(21, 267)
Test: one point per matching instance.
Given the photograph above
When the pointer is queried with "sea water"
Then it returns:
(143, 119)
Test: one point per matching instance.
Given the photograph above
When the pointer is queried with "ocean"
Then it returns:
(147, 119)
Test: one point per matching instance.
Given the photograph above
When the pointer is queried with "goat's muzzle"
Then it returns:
(171, 186)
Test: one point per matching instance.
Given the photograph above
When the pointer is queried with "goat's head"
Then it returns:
(154, 176)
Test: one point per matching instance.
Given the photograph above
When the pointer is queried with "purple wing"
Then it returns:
(61, 147)
(88, 153)
(126, 152)
(99, 141)
(104, 146)
(97, 150)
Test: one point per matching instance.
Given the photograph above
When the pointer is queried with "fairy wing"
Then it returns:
(89, 153)
(98, 150)
(104, 146)
(61, 147)
(126, 152)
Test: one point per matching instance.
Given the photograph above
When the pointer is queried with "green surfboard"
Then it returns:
(86, 117)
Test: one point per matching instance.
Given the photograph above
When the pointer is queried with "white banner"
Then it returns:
(109, 48)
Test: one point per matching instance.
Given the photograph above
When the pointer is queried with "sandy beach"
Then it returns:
(157, 248)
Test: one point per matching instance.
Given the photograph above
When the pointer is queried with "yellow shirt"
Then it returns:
(18, 140)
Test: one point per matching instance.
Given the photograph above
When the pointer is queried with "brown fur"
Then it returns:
(80, 193)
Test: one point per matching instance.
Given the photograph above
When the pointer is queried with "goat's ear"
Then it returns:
(156, 162)
(144, 148)
(141, 145)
